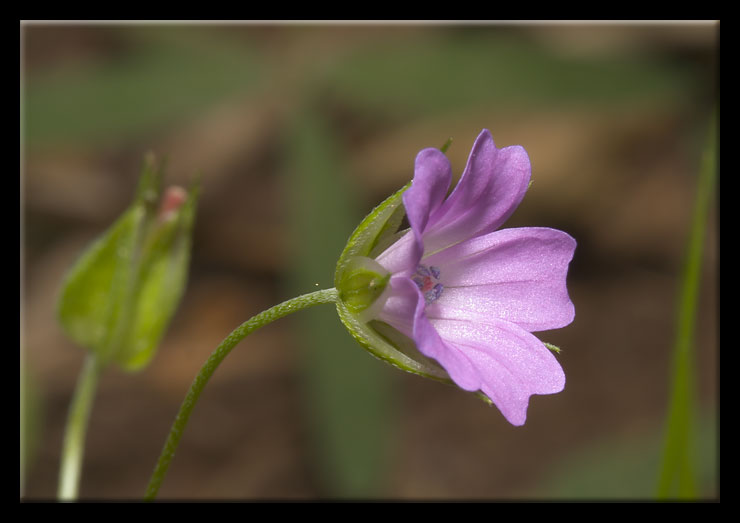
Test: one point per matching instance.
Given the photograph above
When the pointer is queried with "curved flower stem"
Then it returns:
(268, 316)
(74, 437)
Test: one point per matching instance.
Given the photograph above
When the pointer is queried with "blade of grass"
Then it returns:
(677, 474)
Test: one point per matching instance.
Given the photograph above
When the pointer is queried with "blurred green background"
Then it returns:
(299, 131)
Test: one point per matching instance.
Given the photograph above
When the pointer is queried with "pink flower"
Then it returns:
(470, 295)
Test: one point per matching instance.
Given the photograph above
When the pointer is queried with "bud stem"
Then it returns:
(74, 435)
(268, 316)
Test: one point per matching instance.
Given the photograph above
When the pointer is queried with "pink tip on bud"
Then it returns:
(172, 200)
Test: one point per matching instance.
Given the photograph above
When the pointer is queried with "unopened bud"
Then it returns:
(174, 197)
(361, 283)
(119, 297)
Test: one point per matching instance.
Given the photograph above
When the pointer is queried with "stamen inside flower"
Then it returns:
(427, 279)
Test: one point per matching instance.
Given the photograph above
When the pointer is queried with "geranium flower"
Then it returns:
(468, 294)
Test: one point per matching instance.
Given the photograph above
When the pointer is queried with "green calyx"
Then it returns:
(361, 283)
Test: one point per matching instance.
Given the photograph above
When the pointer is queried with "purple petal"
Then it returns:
(404, 310)
(517, 275)
(400, 308)
(511, 363)
(490, 189)
(402, 256)
(432, 176)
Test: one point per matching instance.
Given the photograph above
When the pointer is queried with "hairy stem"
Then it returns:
(278, 311)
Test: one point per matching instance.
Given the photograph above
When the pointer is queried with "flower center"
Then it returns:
(427, 279)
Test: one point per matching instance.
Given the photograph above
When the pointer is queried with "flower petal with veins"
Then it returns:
(490, 289)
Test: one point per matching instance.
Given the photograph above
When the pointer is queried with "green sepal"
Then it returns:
(161, 284)
(376, 228)
(375, 233)
(361, 283)
(120, 295)
(389, 350)
(92, 301)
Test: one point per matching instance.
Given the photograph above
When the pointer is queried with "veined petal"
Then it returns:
(469, 296)
(432, 176)
(517, 275)
(401, 304)
(401, 257)
(512, 363)
(490, 189)
(404, 311)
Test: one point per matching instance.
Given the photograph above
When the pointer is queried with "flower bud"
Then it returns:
(361, 283)
(120, 295)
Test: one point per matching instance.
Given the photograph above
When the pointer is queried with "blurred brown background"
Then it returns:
(299, 130)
